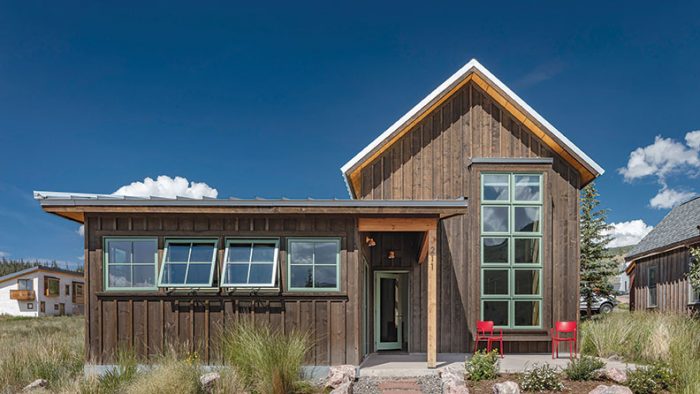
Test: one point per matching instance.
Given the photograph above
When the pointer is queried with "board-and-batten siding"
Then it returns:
(149, 321)
(432, 161)
(672, 285)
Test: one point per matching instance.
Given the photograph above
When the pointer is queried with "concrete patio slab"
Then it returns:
(414, 364)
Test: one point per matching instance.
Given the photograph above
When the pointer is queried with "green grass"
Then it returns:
(648, 338)
(40, 348)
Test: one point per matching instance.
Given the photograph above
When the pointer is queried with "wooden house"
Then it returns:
(466, 208)
(659, 263)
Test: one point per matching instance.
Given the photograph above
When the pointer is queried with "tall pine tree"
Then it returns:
(596, 267)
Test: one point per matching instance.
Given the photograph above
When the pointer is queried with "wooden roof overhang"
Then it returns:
(632, 259)
(499, 92)
(75, 207)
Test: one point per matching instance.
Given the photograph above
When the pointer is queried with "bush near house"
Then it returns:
(583, 368)
(482, 366)
(541, 378)
(266, 360)
(649, 338)
(652, 379)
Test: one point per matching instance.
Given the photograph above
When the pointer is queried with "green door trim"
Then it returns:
(378, 344)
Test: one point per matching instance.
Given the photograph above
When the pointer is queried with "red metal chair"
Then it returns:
(564, 327)
(484, 332)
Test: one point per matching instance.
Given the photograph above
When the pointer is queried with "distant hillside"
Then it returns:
(618, 255)
(620, 250)
(10, 266)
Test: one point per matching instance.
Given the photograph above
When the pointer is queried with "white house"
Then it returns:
(42, 291)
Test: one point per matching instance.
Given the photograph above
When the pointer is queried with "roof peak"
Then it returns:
(473, 66)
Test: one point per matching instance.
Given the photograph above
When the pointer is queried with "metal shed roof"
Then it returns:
(73, 205)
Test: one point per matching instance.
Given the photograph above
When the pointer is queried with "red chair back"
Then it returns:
(484, 327)
(565, 326)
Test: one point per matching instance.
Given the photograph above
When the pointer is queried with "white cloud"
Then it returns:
(165, 186)
(3, 254)
(628, 233)
(664, 156)
(668, 198)
(81, 230)
(693, 139)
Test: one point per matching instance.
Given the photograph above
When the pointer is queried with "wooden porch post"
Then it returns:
(432, 298)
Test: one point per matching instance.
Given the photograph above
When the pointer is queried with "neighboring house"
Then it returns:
(659, 263)
(466, 208)
(41, 291)
(621, 282)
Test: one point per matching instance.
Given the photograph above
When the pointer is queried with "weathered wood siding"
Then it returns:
(672, 285)
(433, 161)
(148, 321)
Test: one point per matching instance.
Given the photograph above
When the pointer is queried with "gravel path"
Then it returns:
(430, 384)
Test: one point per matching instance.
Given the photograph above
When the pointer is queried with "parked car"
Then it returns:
(601, 304)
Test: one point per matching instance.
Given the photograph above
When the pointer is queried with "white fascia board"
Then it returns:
(471, 66)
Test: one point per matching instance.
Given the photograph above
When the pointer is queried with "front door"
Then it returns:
(61, 309)
(388, 317)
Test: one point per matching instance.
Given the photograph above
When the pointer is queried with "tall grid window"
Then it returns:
(511, 249)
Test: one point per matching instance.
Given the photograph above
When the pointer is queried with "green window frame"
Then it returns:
(114, 262)
(251, 262)
(511, 222)
(293, 263)
(190, 262)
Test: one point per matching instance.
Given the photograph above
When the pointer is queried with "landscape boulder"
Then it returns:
(209, 380)
(340, 375)
(37, 384)
(345, 388)
(453, 381)
(614, 389)
(508, 387)
(613, 374)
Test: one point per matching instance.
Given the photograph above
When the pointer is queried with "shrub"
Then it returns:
(266, 360)
(651, 379)
(482, 366)
(583, 368)
(541, 378)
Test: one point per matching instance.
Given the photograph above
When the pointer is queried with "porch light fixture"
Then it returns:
(392, 255)
(370, 242)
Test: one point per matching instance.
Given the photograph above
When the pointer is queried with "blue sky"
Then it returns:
(271, 100)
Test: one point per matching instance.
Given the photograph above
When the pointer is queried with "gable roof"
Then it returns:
(476, 72)
(679, 225)
(31, 270)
